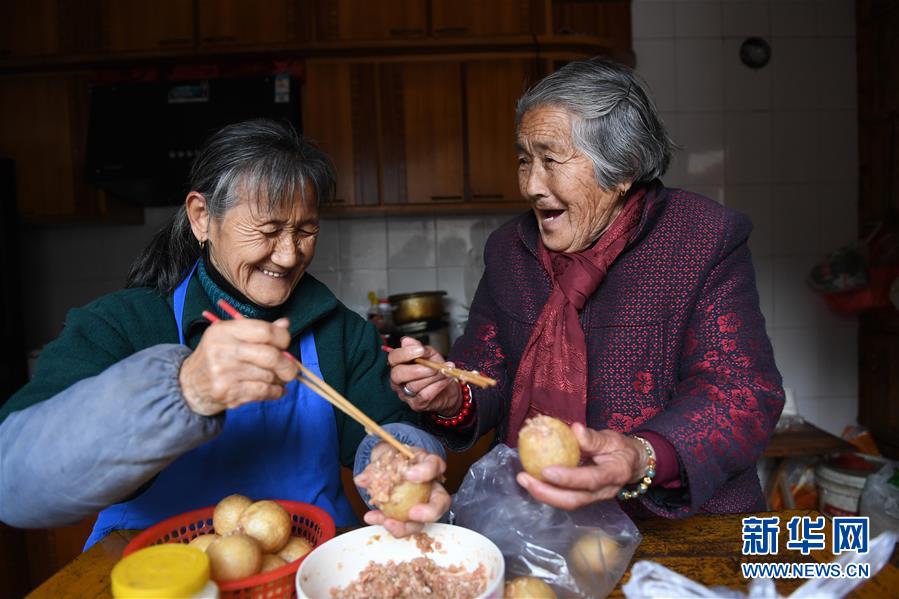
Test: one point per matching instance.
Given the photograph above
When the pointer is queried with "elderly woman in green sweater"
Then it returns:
(141, 410)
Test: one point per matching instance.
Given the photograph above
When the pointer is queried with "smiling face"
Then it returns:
(263, 253)
(558, 179)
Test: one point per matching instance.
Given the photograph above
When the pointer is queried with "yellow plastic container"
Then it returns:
(167, 571)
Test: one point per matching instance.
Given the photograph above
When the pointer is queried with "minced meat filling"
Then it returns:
(384, 473)
(421, 577)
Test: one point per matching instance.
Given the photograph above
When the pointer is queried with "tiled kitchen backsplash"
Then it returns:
(778, 144)
(402, 254)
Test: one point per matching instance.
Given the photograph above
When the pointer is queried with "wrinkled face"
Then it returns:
(558, 179)
(264, 254)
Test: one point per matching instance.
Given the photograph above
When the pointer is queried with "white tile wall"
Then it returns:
(778, 144)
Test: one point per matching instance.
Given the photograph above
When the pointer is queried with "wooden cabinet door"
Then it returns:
(28, 28)
(239, 22)
(451, 18)
(339, 113)
(43, 127)
(421, 129)
(607, 19)
(36, 133)
(492, 88)
(878, 376)
(364, 20)
(134, 25)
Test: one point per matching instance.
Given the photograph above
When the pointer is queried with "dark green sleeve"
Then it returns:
(367, 379)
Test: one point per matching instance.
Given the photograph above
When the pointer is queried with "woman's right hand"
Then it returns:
(237, 362)
(419, 386)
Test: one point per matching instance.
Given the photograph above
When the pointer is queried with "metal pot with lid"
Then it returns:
(417, 307)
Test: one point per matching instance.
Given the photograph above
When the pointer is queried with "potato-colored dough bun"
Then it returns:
(594, 553)
(528, 587)
(227, 513)
(234, 556)
(202, 542)
(296, 548)
(403, 497)
(390, 491)
(268, 523)
(271, 562)
(545, 441)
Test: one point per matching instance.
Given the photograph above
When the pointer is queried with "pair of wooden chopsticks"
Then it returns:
(326, 391)
(468, 376)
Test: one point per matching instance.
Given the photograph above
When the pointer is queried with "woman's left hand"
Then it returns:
(430, 468)
(615, 460)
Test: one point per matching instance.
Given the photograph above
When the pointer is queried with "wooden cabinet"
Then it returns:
(28, 28)
(339, 113)
(242, 23)
(879, 387)
(43, 127)
(609, 20)
(363, 20)
(418, 133)
(137, 25)
(431, 104)
(451, 18)
(492, 88)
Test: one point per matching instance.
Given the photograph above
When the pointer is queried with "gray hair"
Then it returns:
(615, 122)
(255, 159)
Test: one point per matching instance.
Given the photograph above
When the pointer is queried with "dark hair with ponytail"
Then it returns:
(264, 158)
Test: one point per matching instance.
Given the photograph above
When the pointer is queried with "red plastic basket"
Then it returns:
(309, 521)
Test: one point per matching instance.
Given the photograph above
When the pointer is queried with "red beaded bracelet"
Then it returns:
(464, 411)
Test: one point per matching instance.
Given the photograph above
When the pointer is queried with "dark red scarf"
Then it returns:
(552, 375)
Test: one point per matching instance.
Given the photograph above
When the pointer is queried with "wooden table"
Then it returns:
(704, 548)
(805, 440)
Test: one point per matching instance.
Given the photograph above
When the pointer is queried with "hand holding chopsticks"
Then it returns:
(468, 376)
(319, 386)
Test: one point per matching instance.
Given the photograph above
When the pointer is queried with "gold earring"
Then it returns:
(202, 243)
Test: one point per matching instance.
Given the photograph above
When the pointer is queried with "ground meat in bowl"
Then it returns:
(421, 577)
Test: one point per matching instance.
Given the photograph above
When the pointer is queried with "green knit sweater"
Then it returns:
(127, 321)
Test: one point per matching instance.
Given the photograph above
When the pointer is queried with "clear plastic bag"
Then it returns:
(582, 553)
(880, 499)
(651, 580)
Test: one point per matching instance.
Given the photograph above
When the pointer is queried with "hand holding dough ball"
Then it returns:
(390, 491)
(234, 556)
(268, 523)
(202, 542)
(296, 548)
(594, 554)
(528, 587)
(227, 513)
(271, 562)
(545, 441)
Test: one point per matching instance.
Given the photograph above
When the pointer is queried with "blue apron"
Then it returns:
(278, 449)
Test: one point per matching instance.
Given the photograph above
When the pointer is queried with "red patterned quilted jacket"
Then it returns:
(676, 344)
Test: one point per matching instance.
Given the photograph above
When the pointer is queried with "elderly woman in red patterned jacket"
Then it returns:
(618, 305)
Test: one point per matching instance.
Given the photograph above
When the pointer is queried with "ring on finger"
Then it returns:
(408, 392)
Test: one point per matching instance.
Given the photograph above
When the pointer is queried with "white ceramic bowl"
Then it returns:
(339, 561)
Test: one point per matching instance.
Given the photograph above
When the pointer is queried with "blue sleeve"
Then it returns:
(98, 441)
(405, 433)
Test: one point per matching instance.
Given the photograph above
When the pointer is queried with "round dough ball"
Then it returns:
(268, 523)
(594, 553)
(202, 542)
(227, 513)
(296, 548)
(528, 587)
(403, 497)
(545, 441)
(234, 556)
(271, 562)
